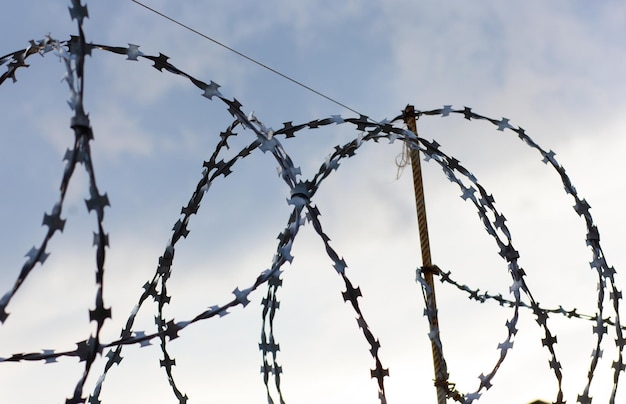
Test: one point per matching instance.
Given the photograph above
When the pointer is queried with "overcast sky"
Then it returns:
(557, 69)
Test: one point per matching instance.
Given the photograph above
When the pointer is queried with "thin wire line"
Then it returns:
(247, 57)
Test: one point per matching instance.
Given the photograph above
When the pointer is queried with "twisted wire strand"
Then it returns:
(428, 288)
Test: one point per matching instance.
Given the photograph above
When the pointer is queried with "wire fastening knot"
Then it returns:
(450, 389)
(300, 194)
(430, 269)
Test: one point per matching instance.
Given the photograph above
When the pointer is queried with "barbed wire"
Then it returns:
(301, 194)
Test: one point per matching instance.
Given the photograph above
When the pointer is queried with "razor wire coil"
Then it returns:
(301, 199)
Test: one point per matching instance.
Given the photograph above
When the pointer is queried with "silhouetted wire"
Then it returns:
(247, 57)
(301, 198)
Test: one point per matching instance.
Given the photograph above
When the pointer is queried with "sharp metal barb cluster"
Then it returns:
(301, 193)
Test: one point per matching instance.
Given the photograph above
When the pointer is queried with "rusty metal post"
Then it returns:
(438, 363)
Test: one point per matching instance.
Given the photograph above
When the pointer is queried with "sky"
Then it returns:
(557, 69)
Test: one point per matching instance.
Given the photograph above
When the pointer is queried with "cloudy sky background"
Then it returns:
(557, 69)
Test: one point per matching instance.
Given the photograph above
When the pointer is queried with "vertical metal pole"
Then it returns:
(438, 363)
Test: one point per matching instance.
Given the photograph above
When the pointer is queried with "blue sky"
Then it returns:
(556, 69)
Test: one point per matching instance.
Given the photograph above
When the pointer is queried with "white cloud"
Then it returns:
(551, 68)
